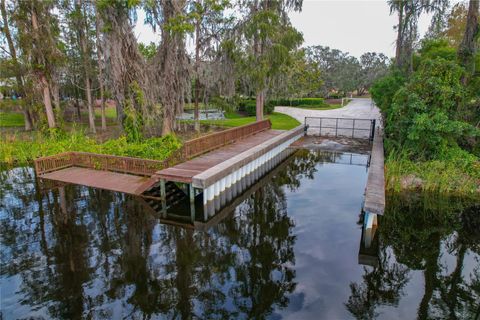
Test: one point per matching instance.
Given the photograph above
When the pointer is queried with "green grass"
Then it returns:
(442, 176)
(22, 149)
(279, 121)
(110, 113)
(11, 119)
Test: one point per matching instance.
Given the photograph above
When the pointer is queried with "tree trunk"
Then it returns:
(259, 105)
(398, 49)
(196, 113)
(468, 48)
(91, 114)
(259, 94)
(167, 126)
(47, 100)
(100, 69)
(55, 94)
(86, 66)
(18, 74)
(28, 120)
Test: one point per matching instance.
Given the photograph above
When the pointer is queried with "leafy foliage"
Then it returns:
(430, 129)
(20, 151)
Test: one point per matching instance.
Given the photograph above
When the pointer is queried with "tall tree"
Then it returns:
(271, 39)
(125, 64)
(15, 64)
(98, 26)
(468, 47)
(38, 38)
(409, 12)
(171, 74)
(82, 29)
(207, 20)
(456, 22)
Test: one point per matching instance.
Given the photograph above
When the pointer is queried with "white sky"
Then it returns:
(354, 26)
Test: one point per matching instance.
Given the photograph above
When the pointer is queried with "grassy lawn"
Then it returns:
(110, 113)
(11, 119)
(279, 121)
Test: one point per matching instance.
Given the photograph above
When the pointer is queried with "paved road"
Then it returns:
(358, 108)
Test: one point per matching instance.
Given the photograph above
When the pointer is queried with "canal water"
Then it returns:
(293, 249)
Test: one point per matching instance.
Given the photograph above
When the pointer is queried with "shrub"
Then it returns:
(249, 106)
(304, 102)
(384, 89)
(133, 124)
(19, 151)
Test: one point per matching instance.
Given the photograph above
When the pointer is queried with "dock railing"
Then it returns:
(341, 127)
(146, 167)
(198, 146)
(105, 162)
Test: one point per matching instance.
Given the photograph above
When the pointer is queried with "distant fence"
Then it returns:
(340, 127)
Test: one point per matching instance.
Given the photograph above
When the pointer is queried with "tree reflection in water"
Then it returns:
(415, 233)
(78, 252)
(83, 252)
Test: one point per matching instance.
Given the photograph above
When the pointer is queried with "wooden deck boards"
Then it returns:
(184, 172)
(375, 190)
(107, 180)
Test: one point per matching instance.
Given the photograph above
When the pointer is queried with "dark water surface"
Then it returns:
(290, 250)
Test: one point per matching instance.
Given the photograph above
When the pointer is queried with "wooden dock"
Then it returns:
(197, 163)
(375, 189)
(205, 167)
(185, 171)
(114, 181)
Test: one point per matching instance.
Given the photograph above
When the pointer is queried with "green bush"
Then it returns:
(20, 151)
(304, 102)
(385, 88)
(249, 106)
(422, 116)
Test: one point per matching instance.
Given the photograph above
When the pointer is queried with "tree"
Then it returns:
(82, 28)
(171, 72)
(302, 78)
(38, 38)
(98, 42)
(270, 41)
(373, 66)
(126, 67)
(15, 65)
(456, 22)
(407, 28)
(468, 47)
(207, 19)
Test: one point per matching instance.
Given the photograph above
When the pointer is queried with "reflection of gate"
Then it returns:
(347, 158)
(340, 127)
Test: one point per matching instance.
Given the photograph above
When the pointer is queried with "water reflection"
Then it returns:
(438, 237)
(288, 249)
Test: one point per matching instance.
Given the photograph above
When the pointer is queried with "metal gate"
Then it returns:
(340, 127)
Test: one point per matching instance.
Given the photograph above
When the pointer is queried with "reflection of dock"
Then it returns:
(368, 252)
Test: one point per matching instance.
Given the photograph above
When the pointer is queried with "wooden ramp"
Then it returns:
(107, 180)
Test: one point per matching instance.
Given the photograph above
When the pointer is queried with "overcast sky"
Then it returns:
(354, 26)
